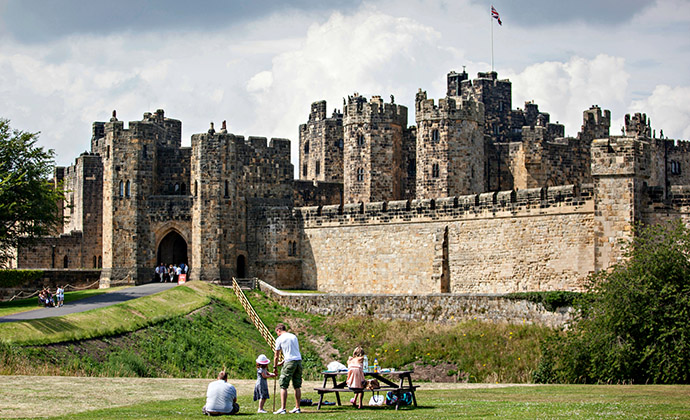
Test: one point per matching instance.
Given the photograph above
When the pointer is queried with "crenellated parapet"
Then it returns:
(358, 111)
(567, 198)
(448, 108)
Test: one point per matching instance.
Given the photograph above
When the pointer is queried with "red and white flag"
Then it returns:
(495, 15)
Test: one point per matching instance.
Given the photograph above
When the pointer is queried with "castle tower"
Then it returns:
(595, 124)
(496, 95)
(129, 178)
(83, 184)
(450, 147)
(321, 145)
(620, 168)
(637, 126)
(373, 158)
(214, 188)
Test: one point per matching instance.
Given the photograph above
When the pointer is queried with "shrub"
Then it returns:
(550, 300)
(633, 322)
(14, 278)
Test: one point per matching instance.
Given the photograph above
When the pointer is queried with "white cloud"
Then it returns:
(669, 109)
(566, 89)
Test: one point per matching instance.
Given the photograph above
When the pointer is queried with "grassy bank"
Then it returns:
(160, 337)
(24, 305)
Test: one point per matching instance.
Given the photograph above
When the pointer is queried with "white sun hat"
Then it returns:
(262, 360)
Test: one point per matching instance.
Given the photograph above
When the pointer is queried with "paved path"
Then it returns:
(93, 302)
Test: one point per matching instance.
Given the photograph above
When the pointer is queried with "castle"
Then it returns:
(477, 197)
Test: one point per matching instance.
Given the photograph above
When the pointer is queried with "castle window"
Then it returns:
(183, 189)
(318, 167)
(306, 147)
(360, 140)
(122, 189)
(196, 187)
(107, 152)
(411, 169)
(495, 129)
(339, 144)
(500, 106)
(360, 174)
(100, 261)
(304, 170)
(65, 262)
(95, 262)
(227, 189)
(435, 136)
(146, 152)
(127, 190)
(434, 170)
(675, 167)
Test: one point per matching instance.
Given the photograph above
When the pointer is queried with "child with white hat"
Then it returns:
(261, 387)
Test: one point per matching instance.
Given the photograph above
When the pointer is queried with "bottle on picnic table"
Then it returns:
(365, 364)
(376, 364)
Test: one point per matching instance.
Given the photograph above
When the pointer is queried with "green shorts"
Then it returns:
(291, 370)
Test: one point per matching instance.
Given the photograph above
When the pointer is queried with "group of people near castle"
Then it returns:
(221, 397)
(170, 273)
(50, 300)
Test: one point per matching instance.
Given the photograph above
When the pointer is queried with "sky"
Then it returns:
(260, 64)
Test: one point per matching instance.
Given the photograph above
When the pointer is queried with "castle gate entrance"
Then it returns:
(172, 250)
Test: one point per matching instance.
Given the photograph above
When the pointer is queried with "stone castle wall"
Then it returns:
(489, 243)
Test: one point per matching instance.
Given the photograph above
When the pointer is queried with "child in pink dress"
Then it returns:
(355, 375)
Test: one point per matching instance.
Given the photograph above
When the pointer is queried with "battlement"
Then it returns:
(358, 111)
(638, 125)
(566, 198)
(447, 108)
(167, 131)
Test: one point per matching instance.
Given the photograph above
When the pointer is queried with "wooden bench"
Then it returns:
(337, 388)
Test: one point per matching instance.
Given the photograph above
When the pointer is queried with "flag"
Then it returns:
(495, 15)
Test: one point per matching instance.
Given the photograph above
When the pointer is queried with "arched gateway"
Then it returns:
(172, 250)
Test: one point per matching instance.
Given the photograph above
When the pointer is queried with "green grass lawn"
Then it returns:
(119, 318)
(24, 305)
(538, 402)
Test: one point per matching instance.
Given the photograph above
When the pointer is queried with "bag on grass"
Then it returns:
(376, 399)
(391, 398)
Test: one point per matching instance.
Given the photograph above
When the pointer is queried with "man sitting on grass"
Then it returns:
(221, 397)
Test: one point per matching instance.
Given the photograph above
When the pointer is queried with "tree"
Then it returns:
(634, 321)
(28, 201)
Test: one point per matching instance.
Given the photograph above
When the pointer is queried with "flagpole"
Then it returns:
(492, 41)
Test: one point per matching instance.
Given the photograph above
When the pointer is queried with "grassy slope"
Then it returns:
(24, 305)
(547, 401)
(219, 334)
(115, 319)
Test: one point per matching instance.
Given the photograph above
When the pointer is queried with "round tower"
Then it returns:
(373, 156)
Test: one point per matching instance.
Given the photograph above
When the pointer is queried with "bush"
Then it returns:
(550, 300)
(14, 278)
(633, 324)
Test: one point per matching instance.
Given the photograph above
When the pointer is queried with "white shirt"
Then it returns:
(220, 396)
(289, 345)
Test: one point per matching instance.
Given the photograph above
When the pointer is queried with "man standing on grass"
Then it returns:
(292, 367)
(221, 397)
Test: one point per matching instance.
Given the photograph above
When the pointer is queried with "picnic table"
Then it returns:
(382, 376)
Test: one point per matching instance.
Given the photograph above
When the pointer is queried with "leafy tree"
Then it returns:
(634, 322)
(28, 201)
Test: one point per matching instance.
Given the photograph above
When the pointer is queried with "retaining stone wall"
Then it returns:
(445, 308)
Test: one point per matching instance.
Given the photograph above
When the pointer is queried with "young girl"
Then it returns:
(261, 387)
(355, 375)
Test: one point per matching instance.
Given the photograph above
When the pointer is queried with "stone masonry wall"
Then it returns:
(445, 308)
(530, 240)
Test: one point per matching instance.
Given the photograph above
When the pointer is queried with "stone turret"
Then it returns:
(450, 147)
(321, 145)
(373, 158)
(595, 124)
